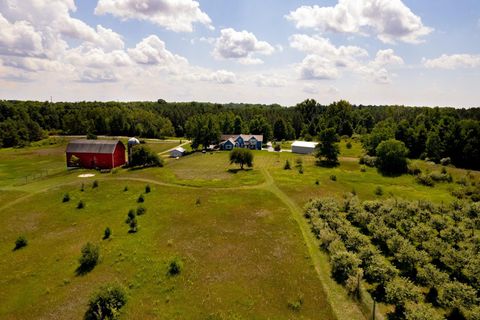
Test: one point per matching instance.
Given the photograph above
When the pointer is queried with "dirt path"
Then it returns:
(343, 308)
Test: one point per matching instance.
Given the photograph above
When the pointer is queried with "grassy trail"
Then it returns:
(343, 308)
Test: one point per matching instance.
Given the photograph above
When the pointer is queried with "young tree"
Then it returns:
(20, 242)
(142, 156)
(328, 149)
(242, 157)
(89, 258)
(392, 157)
(106, 303)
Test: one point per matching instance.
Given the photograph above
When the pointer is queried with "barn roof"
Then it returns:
(245, 137)
(92, 146)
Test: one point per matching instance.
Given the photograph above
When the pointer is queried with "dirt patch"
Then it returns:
(86, 175)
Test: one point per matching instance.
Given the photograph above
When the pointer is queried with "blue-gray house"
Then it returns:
(250, 141)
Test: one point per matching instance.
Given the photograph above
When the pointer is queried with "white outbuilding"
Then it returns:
(177, 152)
(303, 147)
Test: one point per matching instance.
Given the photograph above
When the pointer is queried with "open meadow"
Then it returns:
(246, 251)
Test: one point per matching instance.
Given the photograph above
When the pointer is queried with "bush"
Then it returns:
(147, 189)
(82, 188)
(441, 177)
(368, 161)
(125, 189)
(349, 145)
(277, 147)
(414, 170)
(296, 304)
(379, 191)
(391, 157)
(66, 198)
(141, 199)
(20, 242)
(141, 211)
(333, 177)
(445, 161)
(131, 215)
(425, 179)
(363, 169)
(175, 267)
(317, 182)
(106, 303)
(287, 165)
(133, 224)
(300, 169)
(89, 258)
(95, 184)
(81, 204)
(107, 233)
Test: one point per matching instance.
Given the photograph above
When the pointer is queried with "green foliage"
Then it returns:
(20, 242)
(141, 199)
(142, 156)
(392, 157)
(260, 125)
(141, 210)
(399, 291)
(95, 184)
(107, 233)
(344, 264)
(125, 189)
(74, 162)
(106, 303)
(175, 267)
(277, 147)
(66, 197)
(204, 129)
(425, 179)
(382, 132)
(333, 177)
(327, 150)
(89, 257)
(147, 189)
(349, 145)
(369, 161)
(287, 165)
(242, 157)
(296, 304)
(379, 191)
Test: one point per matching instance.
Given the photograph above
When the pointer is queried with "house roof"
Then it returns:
(180, 149)
(245, 137)
(92, 146)
(305, 144)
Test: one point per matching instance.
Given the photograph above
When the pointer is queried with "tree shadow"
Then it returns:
(84, 269)
(327, 164)
(235, 171)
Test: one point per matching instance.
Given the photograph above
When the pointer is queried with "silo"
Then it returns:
(131, 142)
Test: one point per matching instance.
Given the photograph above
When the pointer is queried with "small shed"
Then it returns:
(177, 152)
(91, 154)
(303, 147)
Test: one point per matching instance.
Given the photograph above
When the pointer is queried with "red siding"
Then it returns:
(101, 160)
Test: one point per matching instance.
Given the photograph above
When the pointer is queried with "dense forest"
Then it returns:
(432, 133)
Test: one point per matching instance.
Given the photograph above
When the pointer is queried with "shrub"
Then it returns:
(147, 189)
(198, 202)
(81, 204)
(175, 266)
(277, 147)
(89, 258)
(363, 169)
(349, 145)
(130, 216)
(399, 291)
(414, 170)
(141, 199)
(445, 161)
(296, 304)
(82, 188)
(425, 179)
(95, 184)
(141, 211)
(107, 233)
(379, 191)
(441, 177)
(20, 242)
(368, 160)
(66, 197)
(133, 224)
(125, 189)
(317, 182)
(333, 177)
(300, 169)
(299, 162)
(106, 303)
(287, 165)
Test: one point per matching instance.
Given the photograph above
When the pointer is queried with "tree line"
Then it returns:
(432, 133)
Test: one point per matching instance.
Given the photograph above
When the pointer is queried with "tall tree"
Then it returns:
(327, 150)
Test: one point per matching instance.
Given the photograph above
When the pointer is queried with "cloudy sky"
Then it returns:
(271, 51)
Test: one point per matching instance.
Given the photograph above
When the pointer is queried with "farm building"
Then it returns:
(250, 141)
(177, 152)
(102, 154)
(303, 147)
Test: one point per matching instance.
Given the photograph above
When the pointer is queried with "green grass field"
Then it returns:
(247, 252)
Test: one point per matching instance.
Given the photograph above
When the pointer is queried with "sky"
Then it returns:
(408, 52)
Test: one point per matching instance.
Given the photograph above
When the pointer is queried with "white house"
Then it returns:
(177, 152)
(303, 147)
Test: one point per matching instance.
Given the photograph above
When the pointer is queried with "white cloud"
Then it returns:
(315, 67)
(270, 80)
(96, 76)
(220, 76)
(387, 57)
(453, 61)
(241, 46)
(175, 15)
(389, 20)
(19, 38)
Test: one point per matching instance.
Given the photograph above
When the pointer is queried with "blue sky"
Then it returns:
(365, 51)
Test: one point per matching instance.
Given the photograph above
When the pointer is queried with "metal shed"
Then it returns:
(303, 147)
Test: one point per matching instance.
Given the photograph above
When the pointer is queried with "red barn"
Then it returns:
(103, 154)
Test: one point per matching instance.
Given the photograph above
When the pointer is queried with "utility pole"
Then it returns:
(374, 305)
